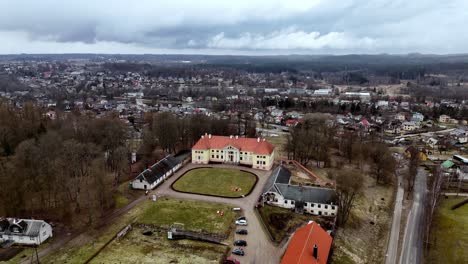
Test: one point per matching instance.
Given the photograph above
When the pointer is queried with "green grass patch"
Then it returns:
(194, 215)
(164, 212)
(449, 233)
(120, 200)
(216, 181)
(280, 221)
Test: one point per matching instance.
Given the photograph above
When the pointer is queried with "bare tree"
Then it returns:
(349, 185)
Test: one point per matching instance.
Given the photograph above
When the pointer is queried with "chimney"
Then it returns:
(209, 136)
(258, 139)
(315, 252)
(263, 140)
(202, 136)
(230, 136)
(237, 137)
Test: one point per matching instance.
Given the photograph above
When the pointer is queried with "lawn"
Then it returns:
(194, 215)
(137, 248)
(449, 233)
(162, 213)
(217, 182)
(280, 222)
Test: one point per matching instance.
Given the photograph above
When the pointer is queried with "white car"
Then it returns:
(241, 222)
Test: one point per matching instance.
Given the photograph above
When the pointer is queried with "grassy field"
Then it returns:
(280, 221)
(194, 215)
(137, 248)
(364, 237)
(216, 181)
(449, 234)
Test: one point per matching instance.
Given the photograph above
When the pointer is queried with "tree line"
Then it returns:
(60, 169)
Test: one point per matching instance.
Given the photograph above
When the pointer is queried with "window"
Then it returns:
(141, 180)
(325, 213)
(286, 201)
(326, 206)
(311, 211)
(305, 204)
(292, 202)
(276, 200)
(333, 207)
(240, 158)
(332, 213)
(312, 205)
(258, 162)
(217, 156)
(212, 156)
(31, 238)
(318, 205)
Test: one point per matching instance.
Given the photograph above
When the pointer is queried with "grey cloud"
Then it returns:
(317, 26)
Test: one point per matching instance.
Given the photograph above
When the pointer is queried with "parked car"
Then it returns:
(238, 251)
(231, 260)
(242, 231)
(240, 243)
(241, 222)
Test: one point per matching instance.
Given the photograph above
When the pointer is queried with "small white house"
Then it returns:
(156, 174)
(312, 200)
(24, 231)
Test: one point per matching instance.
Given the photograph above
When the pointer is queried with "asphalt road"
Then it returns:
(412, 249)
(392, 248)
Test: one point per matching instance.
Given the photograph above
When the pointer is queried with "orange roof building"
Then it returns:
(255, 152)
(310, 244)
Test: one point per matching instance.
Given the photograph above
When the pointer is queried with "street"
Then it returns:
(392, 249)
(412, 248)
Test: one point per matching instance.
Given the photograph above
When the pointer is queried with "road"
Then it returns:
(392, 248)
(259, 248)
(412, 249)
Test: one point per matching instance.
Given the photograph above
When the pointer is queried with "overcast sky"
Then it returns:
(234, 26)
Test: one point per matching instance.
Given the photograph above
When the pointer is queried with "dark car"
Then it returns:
(238, 251)
(240, 243)
(242, 231)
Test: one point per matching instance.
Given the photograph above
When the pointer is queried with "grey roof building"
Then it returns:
(278, 191)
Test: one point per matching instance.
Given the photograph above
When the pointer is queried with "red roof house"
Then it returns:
(255, 145)
(310, 244)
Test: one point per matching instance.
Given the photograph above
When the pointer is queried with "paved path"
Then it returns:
(259, 248)
(392, 249)
(413, 238)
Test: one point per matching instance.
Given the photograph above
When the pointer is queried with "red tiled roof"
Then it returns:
(301, 246)
(243, 144)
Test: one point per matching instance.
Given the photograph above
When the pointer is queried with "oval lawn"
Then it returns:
(217, 182)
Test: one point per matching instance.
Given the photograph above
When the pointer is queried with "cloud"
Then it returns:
(241, 26)
(291, 39)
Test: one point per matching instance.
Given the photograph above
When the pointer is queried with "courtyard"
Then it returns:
(221, 182)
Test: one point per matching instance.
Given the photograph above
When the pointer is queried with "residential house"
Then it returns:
(156, 174)
(410, 126)
(417, 117)
(313, 200)
(310, 244)
(255, 152)
(423, 155)
(444, 118)
(24, 231)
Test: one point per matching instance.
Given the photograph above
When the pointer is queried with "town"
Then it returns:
(169, 159)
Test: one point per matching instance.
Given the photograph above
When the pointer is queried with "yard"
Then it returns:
(135, 247)
(194, 215)
(449, 233)
(217, 182)
(281, 222)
